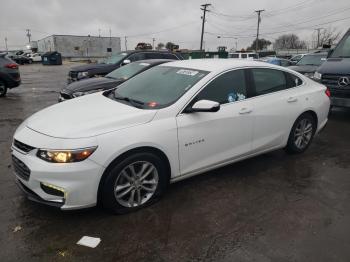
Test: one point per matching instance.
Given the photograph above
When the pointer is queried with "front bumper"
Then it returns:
(79, 181)
(339, 101)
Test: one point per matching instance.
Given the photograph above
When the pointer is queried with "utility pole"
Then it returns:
(205, 6)
(99, 32)
(28, 35)
(257, 31)
(125, 42)
(7, 50)
(318, 36)
(153, 40)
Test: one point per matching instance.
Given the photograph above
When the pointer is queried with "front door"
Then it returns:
(210, 138)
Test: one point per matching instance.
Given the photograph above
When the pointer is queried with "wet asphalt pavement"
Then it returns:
(274, 207)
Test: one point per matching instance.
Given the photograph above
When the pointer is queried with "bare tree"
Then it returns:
(327, 36)
(289, 41)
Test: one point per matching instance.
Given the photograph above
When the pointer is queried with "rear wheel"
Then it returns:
(135, 182)
(302, 133)
(3, 89)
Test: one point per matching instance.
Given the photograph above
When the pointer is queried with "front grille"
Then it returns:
(20, 168)
(23, 147)
(332, 81)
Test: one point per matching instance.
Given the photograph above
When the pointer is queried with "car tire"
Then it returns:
(134, 191)
(30, 61)
(302, 133)
(3, 89)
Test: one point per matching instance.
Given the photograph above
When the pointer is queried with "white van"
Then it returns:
(240, 55)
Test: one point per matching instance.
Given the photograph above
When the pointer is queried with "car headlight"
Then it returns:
(317, 76)
(77, 94)
(65, 156)
(310, 75)
(83, 74)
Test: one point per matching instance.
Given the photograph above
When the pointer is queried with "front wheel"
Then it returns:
(135, 182)
(302, 133)
(3, 89)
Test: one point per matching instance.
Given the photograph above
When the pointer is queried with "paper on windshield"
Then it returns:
(187, 72)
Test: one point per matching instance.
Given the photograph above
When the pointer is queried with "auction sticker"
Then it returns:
(187, 72)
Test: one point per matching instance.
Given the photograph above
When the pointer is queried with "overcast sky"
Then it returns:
(178, 21)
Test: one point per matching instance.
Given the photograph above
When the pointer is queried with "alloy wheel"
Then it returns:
(303, 133)
(136, 184)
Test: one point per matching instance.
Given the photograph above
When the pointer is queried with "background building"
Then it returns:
(71, 46)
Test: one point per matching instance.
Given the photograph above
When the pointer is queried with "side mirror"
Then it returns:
(126, 61)
(204, 106)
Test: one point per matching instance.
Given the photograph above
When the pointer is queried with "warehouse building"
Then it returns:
(71, 46)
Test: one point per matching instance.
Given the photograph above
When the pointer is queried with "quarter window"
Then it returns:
(268, 80)
(226, 88)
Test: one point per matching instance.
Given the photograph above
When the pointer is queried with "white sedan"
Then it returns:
(122, 147)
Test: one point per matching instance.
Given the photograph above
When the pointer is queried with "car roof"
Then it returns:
(155, 61)
(318, 54)
(212, 64)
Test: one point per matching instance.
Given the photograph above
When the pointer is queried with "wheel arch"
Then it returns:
(313, 114)
(143, 149)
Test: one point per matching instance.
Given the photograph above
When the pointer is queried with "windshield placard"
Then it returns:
(187, 72)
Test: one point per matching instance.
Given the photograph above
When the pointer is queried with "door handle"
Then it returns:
(245, 111)
(292, 99)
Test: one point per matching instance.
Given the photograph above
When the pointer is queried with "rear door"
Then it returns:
(277, 103)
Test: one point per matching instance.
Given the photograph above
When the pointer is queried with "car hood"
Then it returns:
(88, 67)
(338, 66)
(87, 116)
(91, 84)
(304, 68)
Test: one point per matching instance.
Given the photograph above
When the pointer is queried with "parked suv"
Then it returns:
(9, 74)
(87, 71)
(335, 72)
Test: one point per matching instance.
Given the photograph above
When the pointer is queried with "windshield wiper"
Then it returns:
(134, 102)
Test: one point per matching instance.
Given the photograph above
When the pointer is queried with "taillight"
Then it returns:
(328, 93)
(12, 66)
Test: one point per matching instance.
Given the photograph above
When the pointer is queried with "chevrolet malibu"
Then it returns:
(121, 148)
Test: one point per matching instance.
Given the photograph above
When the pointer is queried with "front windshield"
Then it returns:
(116, 58)
(128, 71)
(312, 60)
(158, 87)
(343, 48)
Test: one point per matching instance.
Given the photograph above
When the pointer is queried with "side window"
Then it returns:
(243, 55)
(153, 56)
(229, 87)
(294, 81)
(169, 56)
(268, 80)
(136, 57)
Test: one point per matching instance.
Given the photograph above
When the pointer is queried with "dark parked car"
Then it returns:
(90, 70)
(309, 63)
(113, 79)
(22, 59)
(9, 74)
(335, 72)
